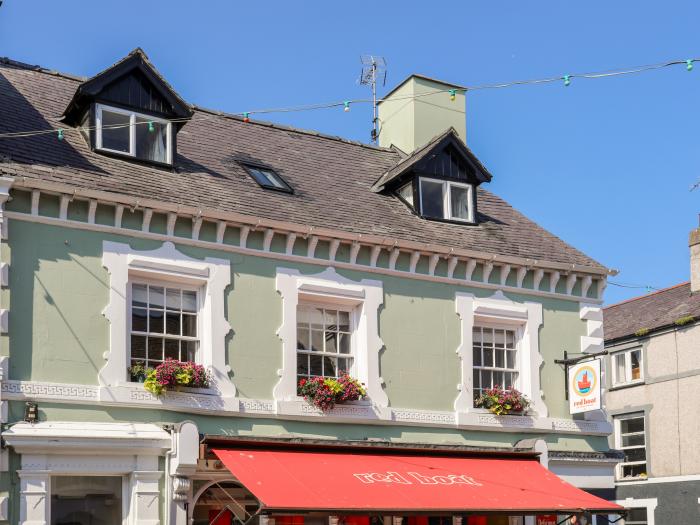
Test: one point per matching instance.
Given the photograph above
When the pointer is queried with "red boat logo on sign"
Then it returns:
(411, 478)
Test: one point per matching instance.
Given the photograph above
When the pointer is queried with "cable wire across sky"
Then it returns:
(346, 103)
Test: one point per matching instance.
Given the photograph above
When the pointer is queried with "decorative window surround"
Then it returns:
(364, 297)
(211, 275)
(498, 309)
(134, 396)
(589, 278)
(103, 449)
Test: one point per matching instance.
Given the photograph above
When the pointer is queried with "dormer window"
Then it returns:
(441, 199)
(268, 178)
(138, 135)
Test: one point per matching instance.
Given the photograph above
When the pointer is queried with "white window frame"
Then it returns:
(499, 310)
(166, 263)
(125, 492)
(618, 445)
(649, 504)
(627, 355)
(518, 336)
(132, 131)
(447, 197)
(363, 297)
(353, 314)
(167, 284)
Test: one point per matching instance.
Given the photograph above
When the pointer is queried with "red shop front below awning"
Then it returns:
(360, 482)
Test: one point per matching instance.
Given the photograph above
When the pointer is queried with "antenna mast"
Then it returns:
(373, 68)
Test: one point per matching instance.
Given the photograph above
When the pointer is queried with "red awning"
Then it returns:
(355, 482)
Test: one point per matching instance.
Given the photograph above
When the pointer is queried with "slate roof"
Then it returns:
(653, 311)
(332, 177)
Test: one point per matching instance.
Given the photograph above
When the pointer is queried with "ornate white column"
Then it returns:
(34, 506)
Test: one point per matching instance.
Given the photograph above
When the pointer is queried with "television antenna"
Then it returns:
(373, 69)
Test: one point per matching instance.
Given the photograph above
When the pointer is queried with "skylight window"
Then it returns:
(267, 178)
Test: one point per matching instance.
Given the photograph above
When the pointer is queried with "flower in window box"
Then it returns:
(325, 392)
(503, 401)
(138, 372)
(171, 374)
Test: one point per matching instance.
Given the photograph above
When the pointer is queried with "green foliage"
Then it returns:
(642, 332)
(684, 320)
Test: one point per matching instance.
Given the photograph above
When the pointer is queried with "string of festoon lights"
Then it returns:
(566, 81)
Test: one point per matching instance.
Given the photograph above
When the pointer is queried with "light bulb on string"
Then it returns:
(453, 94)
(346, 106)
(567, 80)
(689, 65)
(151, 128)
(60, 134)
(246, 117)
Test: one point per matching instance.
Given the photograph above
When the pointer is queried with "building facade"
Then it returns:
(654, 373)
(137, 228)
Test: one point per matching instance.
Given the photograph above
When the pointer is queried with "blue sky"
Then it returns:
(605, 164)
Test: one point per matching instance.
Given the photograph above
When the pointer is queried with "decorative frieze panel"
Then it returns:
(295, 409)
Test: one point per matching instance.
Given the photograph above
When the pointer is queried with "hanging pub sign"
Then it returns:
(584, 386)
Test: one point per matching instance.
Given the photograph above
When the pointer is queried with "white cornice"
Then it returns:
(301, 229)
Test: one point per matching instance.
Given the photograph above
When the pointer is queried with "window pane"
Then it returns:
(151, 145)
(628, 426)
(459, 202)
(317, 341)
(329, 367)
(500, 358)
(189, 325)
(636, 358)
(172, 323)
(155, 348)
(633, 440)
(636, 515)
(316, 366)
(620, 368)
(156, 297)
(488, 357)
(84, 500)
(139, 295)
(635, 454)
(344, 365)
(189, 301)
(432, 199)
(510, 359)
(139, 320)
(302, 364)
(331, 342)
(406, 192)
(303, 338)
(188, 350)
(344, 321)
(344, 343)
(633, 471)
(477, 356)
(172, 299)
(138, 347)
(155, 321)
(172, 349)
(115, 131)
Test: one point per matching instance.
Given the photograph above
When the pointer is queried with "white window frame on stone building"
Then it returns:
(619, 444)
(500, 311)
(361, 298)
(626, 357)
(164, 265)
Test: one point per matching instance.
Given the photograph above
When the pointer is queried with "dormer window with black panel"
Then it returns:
(129, 111)
(438, 181)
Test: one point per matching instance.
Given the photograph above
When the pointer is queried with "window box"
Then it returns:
(325, 392)
(503, 402)
(174, 375)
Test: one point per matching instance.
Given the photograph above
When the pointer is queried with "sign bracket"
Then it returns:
(573, 361)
